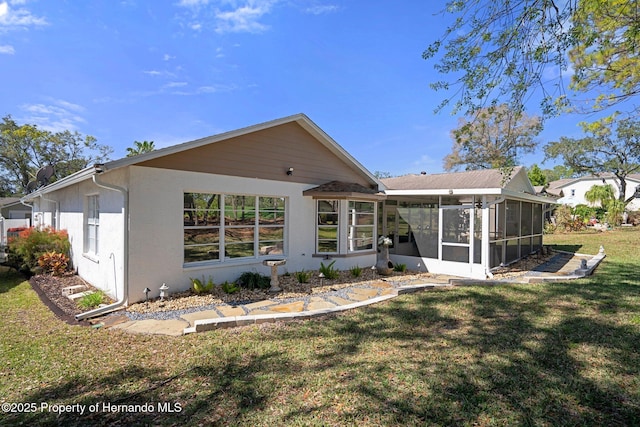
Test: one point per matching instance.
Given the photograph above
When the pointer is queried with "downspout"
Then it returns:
(57, 205)
(122, 302)
(22, 202)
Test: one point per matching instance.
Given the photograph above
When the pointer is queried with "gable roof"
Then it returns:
(164, 156)
(475, 182)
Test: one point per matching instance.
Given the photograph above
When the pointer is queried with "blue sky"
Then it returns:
(174, 71)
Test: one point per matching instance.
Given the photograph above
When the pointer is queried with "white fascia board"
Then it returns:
(527, 197)
(446, 192)
(74, 178)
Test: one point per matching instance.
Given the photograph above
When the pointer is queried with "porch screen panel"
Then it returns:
(513, 218)
(477, 236)
(526, 225)
(455, 225)
(537, 219)
(419, 229)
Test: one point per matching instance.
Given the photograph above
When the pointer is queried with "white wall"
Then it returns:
(580, 187)
(104, 271)
(156, 240)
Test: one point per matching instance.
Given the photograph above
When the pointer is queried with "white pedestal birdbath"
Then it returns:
(274, 263)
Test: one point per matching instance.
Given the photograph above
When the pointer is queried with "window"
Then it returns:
(227, 226)
(345, 226)
(361, 223)
(92, 225)
(328, 214)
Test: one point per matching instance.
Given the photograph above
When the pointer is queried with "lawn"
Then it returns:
(544, 354)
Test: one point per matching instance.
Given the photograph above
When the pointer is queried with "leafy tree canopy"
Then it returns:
(536, 176)
(505, 51)
(610, 147)
(24, 149)
(140, 148)
(493, 138)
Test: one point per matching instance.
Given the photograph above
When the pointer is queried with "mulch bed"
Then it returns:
(49, 289)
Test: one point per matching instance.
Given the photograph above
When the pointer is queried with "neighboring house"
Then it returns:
(13, 214)
(572, 190)
(464, 223)
(222, 205)
(217, 206)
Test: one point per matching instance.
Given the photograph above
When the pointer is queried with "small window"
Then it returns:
(327, 231)
(92, 225)
(361, 223)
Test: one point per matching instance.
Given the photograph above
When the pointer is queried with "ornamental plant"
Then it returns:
(54, 263)
(24, 251)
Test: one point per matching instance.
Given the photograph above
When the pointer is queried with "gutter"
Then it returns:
(122, 302)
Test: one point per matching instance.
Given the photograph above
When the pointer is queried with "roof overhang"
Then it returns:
(471, 192)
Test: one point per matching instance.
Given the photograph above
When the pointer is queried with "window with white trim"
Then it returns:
(228, 226)
(345, 226)
(361, 223)
(92, 225)
(328, 230)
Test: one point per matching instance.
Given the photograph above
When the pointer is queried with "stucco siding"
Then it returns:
(156, 240)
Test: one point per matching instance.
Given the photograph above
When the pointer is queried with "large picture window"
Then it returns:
(227, 226)
(92, 225)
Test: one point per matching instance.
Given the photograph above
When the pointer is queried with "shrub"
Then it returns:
(54, 263)
(91, 300)
(25, 250)
(400, 267)
(253, 280)
(303, 276)
(328, 271)
(230, 288)
(356, 271)
(200, 286)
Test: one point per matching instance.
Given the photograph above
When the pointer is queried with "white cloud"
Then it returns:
(227, 16)
(321, 9)
(175, 84)
(192, 3)
(7, 49)
(244, 18)
(158, 73)
(58, 116)
(14, 18)
(168, 57)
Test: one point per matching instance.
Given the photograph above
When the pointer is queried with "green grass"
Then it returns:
(546, 355)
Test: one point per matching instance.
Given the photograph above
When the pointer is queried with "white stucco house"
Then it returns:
(284, 189)
(572, 190)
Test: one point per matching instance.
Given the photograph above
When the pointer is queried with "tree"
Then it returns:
(600, 194)
(492, 139)
(510, 50)
(611, 147)
(140, 148)
(536, 176)
(24, 149)
(558, 172)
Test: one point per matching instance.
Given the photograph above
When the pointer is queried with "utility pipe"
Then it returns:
(122, 302)
(57, 205)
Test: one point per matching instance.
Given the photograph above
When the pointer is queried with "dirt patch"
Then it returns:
(49, 289)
